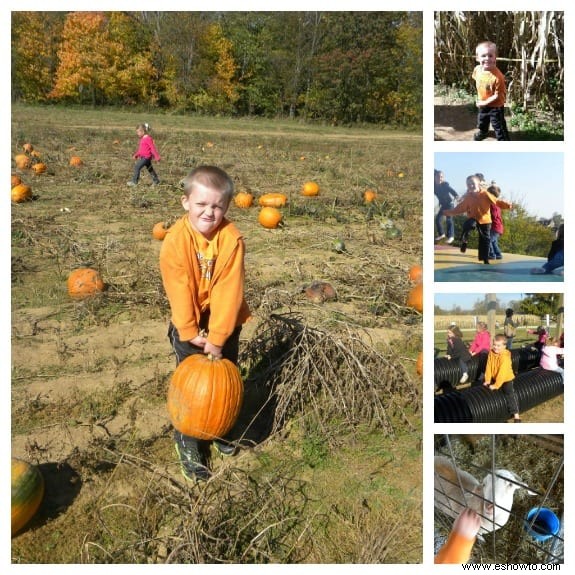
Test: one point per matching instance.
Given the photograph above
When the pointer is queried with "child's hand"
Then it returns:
(448, 357)
(199, 341)
(467, 524)
(215, 350)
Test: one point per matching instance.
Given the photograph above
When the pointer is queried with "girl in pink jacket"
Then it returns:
(482, 340)
(144, 154)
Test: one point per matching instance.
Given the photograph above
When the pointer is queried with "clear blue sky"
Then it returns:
(466, 301)
(533, 179)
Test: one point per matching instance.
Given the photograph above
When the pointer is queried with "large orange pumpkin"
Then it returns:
(244, 200)
(22, 161)
(27, 493)
(21, 193)
(84, 282)
(310, 189)
(205, 396)
(160, 230)
(270, 217)
(273, 200)
(76, 161)
(415, 297)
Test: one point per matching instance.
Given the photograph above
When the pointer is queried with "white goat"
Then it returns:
(492, 499)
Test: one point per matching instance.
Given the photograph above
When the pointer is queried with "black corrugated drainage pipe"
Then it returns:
(447, 372)
(478, 404)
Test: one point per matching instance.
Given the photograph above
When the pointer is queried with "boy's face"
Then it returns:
(206, 209)
(498, 346)
(473, 185)
(486, 57)
(439, 178)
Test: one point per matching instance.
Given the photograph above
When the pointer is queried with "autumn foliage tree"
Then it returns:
(101, 61)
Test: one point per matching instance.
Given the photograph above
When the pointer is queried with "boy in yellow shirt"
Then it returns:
(499, 374)
(202, 267)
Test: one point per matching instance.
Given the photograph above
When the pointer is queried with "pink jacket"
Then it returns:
(481, 342)
(147, 148)
(549, 355)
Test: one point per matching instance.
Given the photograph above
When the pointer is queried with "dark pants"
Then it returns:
(139, 165)
(495, 117)
(183, 349)
(468, 226)
(510, 397)
(484, 242)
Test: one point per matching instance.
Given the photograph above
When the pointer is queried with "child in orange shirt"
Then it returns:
(202, 267)
(499, 374)
(476, 203)
(491, 93)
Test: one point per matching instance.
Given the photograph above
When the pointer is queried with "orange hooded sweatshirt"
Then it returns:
(194, 289)
(477, 206)
(499, 368)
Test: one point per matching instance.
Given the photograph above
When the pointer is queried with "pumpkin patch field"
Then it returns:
(329, 429)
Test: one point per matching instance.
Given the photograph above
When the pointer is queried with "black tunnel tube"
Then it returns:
(479, 404)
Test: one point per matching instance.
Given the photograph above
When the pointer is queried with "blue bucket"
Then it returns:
(545, 526)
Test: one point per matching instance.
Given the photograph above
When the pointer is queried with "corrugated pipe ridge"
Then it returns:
(478, 404)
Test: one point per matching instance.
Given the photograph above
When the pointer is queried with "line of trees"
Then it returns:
(336, 67)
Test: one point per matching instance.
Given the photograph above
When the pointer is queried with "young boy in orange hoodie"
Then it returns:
(499, 374)
(476, 204)
(202, 267)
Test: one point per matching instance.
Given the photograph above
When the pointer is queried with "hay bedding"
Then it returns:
(332, 377)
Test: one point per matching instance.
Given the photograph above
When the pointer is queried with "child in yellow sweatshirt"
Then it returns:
(499, 374)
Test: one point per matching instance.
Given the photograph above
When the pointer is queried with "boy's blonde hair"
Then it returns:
(500, 337)
(211, 177)
(488, 44)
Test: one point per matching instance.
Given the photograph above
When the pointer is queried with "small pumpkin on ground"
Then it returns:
(39, 167)
(270, 218)
(76, 161)
(273, 200)
(27, 493)
(369, 196)
(319, 292)
(21, 193)
(243, 200)
(415, 297)
(205, 396)
(28, 147)
(16, 180)
(84, 282)
(160, 230)
(310, 189)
